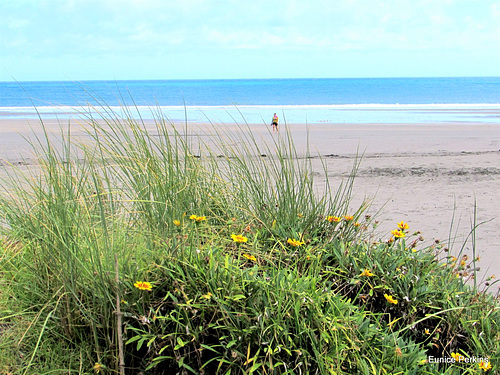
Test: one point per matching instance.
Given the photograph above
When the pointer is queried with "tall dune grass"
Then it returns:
(229, 262)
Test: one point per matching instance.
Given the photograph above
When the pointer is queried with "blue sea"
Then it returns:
(349, 100)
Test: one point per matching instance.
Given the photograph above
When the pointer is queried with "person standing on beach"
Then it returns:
(274, 123)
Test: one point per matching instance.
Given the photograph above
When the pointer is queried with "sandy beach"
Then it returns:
(429, 175)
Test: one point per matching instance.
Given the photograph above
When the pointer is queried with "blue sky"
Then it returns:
(192, 39)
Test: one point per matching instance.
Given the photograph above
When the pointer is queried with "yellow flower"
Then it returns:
(334, 219)
(398, 233)
(402, 225)
(197, 219)
(356, 224)
(250, 257)
(177, 223)
(427, 332)
(366, 273)
(207, 296)
(294, 242)
(348, 217)
(390, 299)
(143, 285)
(238, 238)
(457, 357)
(485, 365)
(462, 263)
(98, 367)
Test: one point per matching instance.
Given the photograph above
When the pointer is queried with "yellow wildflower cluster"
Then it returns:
(391, 299)
(403, 226)
(400, 232)
(143, 285)
(333, 219)
(197, 219)
(464, 260)
(239, 238)
(250, 257)
(338, 219)
(485, 365)
(295, 243)
(347, 218)
(367, 273)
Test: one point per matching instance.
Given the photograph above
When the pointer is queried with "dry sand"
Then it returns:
(429, 175)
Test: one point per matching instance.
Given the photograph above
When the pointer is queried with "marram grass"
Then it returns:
(232, 265)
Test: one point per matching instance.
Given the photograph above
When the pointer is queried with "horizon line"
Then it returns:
(243, 79)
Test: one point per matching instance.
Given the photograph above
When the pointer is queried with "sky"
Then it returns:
(226, 39)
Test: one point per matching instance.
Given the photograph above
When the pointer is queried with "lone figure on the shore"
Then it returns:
(274, 123)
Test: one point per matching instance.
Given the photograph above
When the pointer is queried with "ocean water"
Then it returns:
(360, 100)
